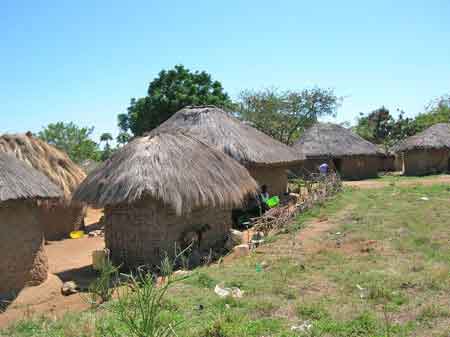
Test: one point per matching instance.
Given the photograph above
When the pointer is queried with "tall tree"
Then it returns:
(169, 92)
(284, 114)
(107, 150)
(74, 140)
(380, 127)
(376, 126)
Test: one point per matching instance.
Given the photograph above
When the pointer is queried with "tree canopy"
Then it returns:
(380, 127)
(171, 91)
(284, 114)
(106, 137)
(74, 140)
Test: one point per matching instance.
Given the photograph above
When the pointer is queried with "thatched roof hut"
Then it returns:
(265, 157)
(426, 152)
(23, 261)
(351, 155)
(435, 137)
(159, 188)
(45, 158)
(60, 219)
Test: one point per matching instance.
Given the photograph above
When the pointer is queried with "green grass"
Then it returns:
(386, 274)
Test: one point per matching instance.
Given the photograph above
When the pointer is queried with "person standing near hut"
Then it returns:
(351, 156)
(323, 169)
(23, 261)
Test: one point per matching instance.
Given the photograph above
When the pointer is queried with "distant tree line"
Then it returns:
(381, 127)
(77, 141)
(282, 115)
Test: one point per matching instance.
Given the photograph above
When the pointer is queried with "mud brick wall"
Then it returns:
(274, 177)
(141, 233)
(359, 167)
(59, 219)
(23, 261)
(421, 162)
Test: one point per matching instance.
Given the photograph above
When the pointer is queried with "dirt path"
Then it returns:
(380, 183)
(308, 240)
(68, 260)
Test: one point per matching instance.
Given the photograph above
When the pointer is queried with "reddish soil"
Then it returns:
(69, 260)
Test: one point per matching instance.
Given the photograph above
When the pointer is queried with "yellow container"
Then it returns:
(76, 234)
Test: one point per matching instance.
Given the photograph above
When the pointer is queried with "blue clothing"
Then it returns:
(323, 168)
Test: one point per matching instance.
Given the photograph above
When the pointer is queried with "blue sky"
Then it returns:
(83, 60)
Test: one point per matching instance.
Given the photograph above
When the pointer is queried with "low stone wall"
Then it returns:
(274, 177)
(422, 162)
(141, 233)
(59, 219)
(23, 261)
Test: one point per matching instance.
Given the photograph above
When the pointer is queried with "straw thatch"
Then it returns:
(19, 181)
(45, 158)
(177, 169)
(331, 140)
(434, 138)
(226, 133)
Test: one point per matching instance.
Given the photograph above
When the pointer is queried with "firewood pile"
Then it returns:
(312, 192)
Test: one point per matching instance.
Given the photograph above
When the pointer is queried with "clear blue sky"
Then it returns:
(83, 61)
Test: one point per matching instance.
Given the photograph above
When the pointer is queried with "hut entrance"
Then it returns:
(337, 165)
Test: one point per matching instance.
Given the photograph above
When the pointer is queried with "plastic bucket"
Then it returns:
(76, 234)
(273, 202)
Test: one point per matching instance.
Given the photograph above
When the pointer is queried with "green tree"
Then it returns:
(376, 126)
(284, 114)
(437, 111)
(107, 150)
(169, 92)
(380, 127)
(72, 139)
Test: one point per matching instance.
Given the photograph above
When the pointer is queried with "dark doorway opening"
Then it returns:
(337, 165)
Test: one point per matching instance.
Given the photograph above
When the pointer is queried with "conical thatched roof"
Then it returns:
(331, 140)
(45, 158)
(171, 167)
(20, 181)
(435, 137)
(226, 133)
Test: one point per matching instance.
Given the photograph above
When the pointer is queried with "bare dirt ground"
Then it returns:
(68, 260)
(380, 183)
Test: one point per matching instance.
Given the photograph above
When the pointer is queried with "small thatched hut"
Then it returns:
(266, 158)
(23, 261)
(59, 219)
(426, 152)
(349, 154)
(162, 191)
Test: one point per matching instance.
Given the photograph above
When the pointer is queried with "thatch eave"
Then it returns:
(329, 140)
(433, 138)
(172, 167)
(47, 159)
(18, 181)
(226, 133)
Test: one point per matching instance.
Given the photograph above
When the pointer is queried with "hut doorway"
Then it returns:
(337, 165)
